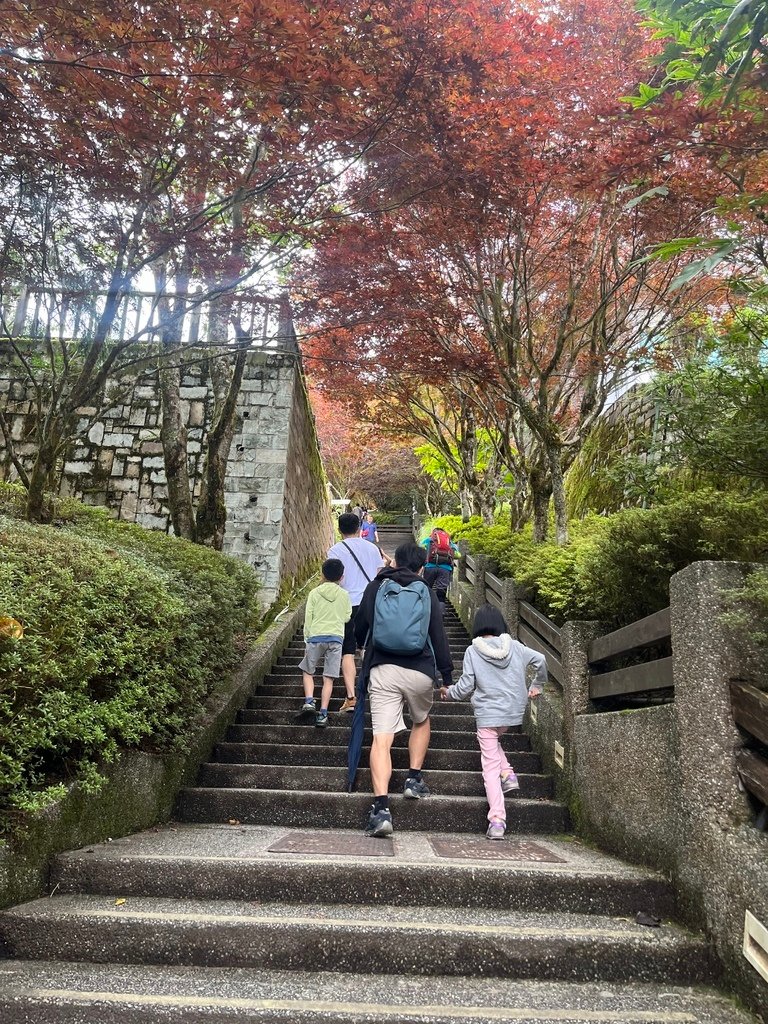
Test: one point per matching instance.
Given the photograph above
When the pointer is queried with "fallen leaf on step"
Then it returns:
(233, 821)
(119, 903)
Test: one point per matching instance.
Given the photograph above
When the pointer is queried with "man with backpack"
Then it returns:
(400, 624)
(441, 557)
(361, 562)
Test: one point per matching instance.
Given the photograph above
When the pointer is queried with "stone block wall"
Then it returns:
(278, 516)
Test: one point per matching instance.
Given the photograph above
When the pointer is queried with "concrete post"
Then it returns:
(511, 596)
(704, 660)
(721, 856)
(575, 638)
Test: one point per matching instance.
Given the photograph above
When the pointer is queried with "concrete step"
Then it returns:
(293, 655)
(338, 735)
(438, 758)
(55, 993)
(334, 780)
(290, 698)
(322, 937)
(238, 862)
(297, 808)
(285, 714)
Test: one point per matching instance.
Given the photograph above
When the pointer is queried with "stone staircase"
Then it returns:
(264, 901)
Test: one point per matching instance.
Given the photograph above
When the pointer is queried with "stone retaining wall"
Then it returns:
(278, 515)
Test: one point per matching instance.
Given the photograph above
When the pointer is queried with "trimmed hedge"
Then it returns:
(126, 632)
(617, 568)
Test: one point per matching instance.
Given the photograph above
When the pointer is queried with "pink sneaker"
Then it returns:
(509, 783)
(496, 830)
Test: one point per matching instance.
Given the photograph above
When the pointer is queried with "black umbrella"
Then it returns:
(355, 742)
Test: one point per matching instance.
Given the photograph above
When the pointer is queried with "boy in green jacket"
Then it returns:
(328, 611)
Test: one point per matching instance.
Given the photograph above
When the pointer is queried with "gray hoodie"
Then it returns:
(496, 669)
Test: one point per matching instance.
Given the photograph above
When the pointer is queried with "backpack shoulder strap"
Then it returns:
(359, 563)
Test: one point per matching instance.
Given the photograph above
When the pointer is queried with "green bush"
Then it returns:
(617, 568)
(126, 632)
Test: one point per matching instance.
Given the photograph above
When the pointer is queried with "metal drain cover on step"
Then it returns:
(478, 848)
(333, 845)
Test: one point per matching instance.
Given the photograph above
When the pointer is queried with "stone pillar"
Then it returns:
(704, 660)
(575, 638)
(721, 856)
(511, 596)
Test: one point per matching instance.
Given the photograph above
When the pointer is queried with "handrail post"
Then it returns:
(511, 596)
(481, 567)
(575, 638)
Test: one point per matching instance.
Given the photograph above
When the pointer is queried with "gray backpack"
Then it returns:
(401, 617)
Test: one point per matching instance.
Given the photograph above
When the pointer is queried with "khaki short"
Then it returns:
(390, 689)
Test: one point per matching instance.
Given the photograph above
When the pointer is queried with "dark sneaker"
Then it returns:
(415, 789)
(496, 830)
(509, 783)
(321, 719)
(379, 823)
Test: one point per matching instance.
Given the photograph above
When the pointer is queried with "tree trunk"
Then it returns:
(173, 435)
(40, 479)
(466, 504)
(554, 457)
(211, 517)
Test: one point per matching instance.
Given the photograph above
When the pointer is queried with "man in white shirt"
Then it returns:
(362, 562)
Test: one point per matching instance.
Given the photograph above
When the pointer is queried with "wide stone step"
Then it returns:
(291, 699)
(321, 937)
(438, 758)
(338, 735)
(255, 863)
(302, 809)
(334, 780)
(54, 993)
(293, 655)
(286, 715)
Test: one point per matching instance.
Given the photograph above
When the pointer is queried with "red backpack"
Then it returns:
(440, 552)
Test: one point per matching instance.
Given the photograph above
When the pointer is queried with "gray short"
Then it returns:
(325, 652)
(390, 688)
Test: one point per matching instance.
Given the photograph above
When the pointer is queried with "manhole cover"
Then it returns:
(333, 845)
(478, 848)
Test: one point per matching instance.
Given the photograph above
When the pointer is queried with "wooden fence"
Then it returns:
(648, 675)
(750, 713)
(655, 674)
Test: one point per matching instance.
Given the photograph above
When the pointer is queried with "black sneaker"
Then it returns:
(415, 789)
(379, 823)
(321, 719)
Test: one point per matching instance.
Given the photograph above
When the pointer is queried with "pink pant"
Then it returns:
(495, 764)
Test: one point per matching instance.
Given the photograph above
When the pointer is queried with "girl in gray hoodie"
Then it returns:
(495, 673)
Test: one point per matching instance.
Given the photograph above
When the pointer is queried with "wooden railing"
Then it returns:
(649, 675)
(540, 633)
(470, 568)
(750, 713)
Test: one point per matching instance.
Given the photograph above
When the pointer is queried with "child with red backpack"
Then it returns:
(441, 556)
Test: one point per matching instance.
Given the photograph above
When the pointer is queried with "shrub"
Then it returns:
(126, 632)
(617, 568)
